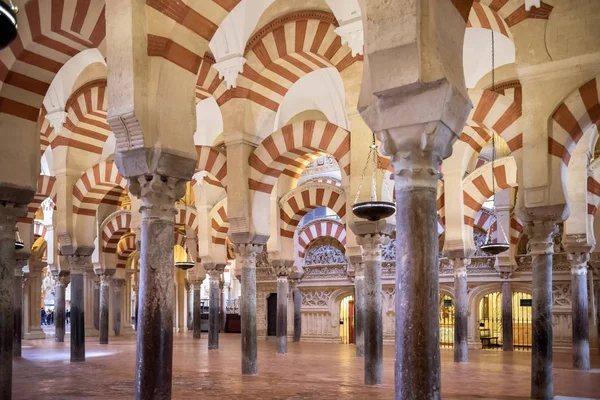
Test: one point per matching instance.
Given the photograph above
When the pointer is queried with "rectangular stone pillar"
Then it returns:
(507, 317)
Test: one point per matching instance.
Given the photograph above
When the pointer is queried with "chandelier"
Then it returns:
(8, 23)
(372, 210)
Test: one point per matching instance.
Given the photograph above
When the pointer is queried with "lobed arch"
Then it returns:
(45, 189)
(314, 230)
(219, 223)
(114, 226)
(299, 201)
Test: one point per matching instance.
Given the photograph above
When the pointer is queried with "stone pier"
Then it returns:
(283, 272)
(20, 262)
(104, 307)
(78, 264)
(461, 352)
(34, 296)
(579, 304)
(359, 304)
(507, 317)
(214, 273)
(61, 282)
(246, 262)
(372, 246)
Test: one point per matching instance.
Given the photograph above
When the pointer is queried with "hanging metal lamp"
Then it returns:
(8, 23)
(372, 210)
(489, 246)
(185, 265)
(19, 244)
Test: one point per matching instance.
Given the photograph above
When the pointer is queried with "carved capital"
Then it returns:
(78, 264)
(352, 34)
(540, 237)
(230, 68)
(9, 215)
(579, 263)
(372, 246)
(118, 284)
(158, 195)
(105, 279)
(196, 283)
(460, 266)
(62, 280)
(246, 255)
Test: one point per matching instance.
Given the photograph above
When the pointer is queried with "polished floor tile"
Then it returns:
(308, 371)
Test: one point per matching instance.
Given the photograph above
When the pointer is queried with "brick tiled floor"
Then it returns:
(308, 371)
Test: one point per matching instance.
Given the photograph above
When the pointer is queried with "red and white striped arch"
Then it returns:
(208, 78)
(39, 229)
(441, 204)
(100, 184)
(513, 11)
(572, 118)
(301, 200)
(219, 223)
(179, 238)
(281, 150)
(118, 224)
(516, 229)
(213, 162)
(326, 180)
(482, 16)
(186, 217)
(593, 188)
(282, 52)
(317, 229)
(50, 33)
(484, 219)
(125, 247)
(477, 186)
(85, 127)
(45, 189)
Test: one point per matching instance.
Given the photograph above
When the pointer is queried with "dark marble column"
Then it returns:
(190, 304)
(136, 306)
(507, 317)
(297, 295)
(154, 358)
(246, 262)
(222, 304)
(579, 304)
(359, 307)
(18, 303)
(78, 264)
(8, 219)
(117, 302)
(461, 350)
(97, 304)
(541, 248)
(282, 296)
(373, 319)
(213, 306)
(197, 318)
(61, 282)
(104, 305)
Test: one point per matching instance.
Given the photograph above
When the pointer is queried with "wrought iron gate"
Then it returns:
(521, 304)
(490, 320)
(446, 322)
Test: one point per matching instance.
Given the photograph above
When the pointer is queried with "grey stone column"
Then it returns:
(104, 304)
(297, 296)
(213, 306)
(154, 358)
(461, 350)
(136, 306)
(507, 317)
(117, 305)
(61, 281)
(21, 261)
(197, 318)
(359, 305)
(372, 245)
(579, 304)
(9, 215)
(34, 281)
(541, 249)
(97, 304)
(283, 272)
(222, 304)
(246, 262)
(190, 304)
(78, 264)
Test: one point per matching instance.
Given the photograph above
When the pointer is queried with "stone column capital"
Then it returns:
(9, 215)
(118, 284)
(460, 266)
(105, 279)
(62, 279)
(246, 254)
(372, 245)
(540, 237)
(579, 262)
(78, 264)
(196, 283)
(158, 195)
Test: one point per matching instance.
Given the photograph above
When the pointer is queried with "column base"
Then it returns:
(36, 333)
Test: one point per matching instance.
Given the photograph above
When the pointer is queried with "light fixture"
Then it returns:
(8, 23)
(497, 247)
(372, 210)
(19, 244)
(185, 265)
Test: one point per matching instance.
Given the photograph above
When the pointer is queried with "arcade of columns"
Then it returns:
(168, 132)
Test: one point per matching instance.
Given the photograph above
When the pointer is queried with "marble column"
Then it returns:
(34, 280)
(61, 280)
(78, 264)
(97, 304)
(297, 314)
(18, 303)
(359, 306)
(213, 306)
(246, 262)
(89, 279)
(461, 350)
(189, 304)
(197, 311)
(282, 294)
(541, 249)
(8, 220)
(117, 305)
(372, 246)
(104, 307)
(507, 317)
(579, 304)
(154, 359)
(136, 305)
(222, 304)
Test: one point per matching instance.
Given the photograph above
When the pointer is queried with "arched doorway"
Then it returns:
(521, 303)
(272, 315)
(490, 320)
(446, 321)
(347, 320)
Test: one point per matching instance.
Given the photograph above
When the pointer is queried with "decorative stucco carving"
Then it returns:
(316, 297)
(561, 294)
(324, 254)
